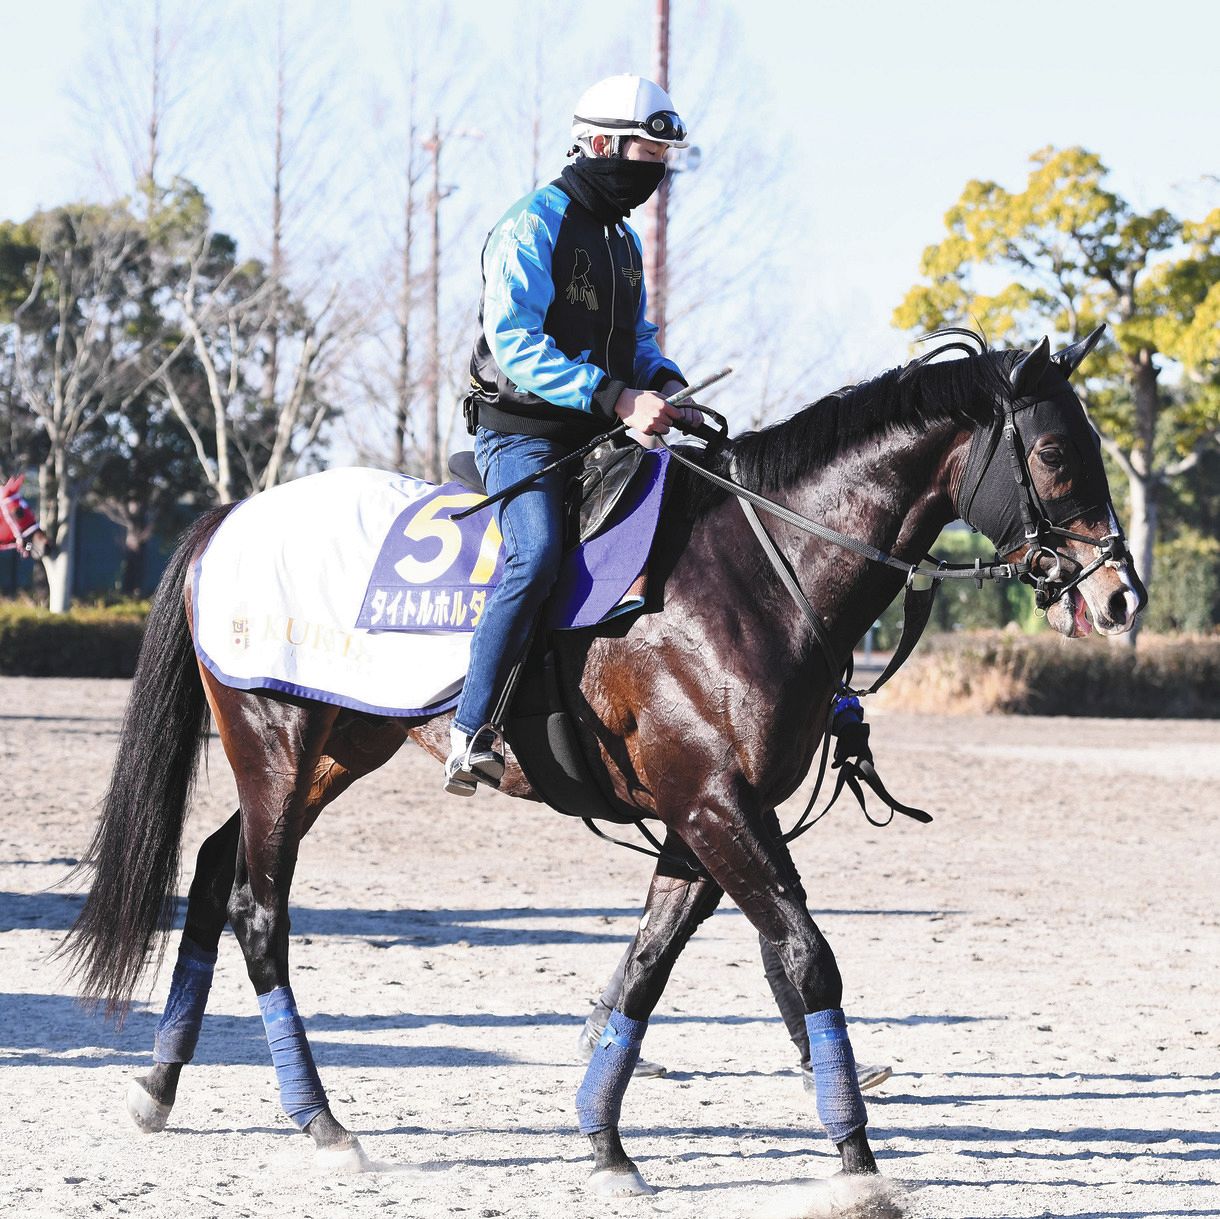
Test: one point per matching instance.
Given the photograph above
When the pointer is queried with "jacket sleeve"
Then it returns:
(652, 369)
(519, 291)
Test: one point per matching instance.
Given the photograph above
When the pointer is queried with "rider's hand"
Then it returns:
(646, 412)
(688, 412)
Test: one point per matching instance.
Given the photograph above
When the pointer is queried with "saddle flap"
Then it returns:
(608, 471)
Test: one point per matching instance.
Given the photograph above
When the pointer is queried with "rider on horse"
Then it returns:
(564, 352)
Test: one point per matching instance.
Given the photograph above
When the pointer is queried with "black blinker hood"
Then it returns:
(990, 498)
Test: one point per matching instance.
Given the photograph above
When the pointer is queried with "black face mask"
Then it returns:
(990, 495)
(610, 187)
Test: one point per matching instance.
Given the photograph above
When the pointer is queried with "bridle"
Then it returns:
(1041, 535)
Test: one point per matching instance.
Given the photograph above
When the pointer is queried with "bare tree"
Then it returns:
(136, 98)
(410, 369)
(268, 337)
(246, 436)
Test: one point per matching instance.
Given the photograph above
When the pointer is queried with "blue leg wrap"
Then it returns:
(601, 1094)
(301, 1092)
(840, 1105)
(178, 1032)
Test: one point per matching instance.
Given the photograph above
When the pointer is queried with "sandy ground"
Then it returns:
(1041, 967)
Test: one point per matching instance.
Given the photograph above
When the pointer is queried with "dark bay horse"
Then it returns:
(704, 714)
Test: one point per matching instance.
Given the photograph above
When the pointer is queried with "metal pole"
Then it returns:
(433, 452)
(658, 276)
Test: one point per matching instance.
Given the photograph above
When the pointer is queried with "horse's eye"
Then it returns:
(1051, 457)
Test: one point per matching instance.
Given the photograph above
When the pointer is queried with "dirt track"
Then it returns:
(1041, 966)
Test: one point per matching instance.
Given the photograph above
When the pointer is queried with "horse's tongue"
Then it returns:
(1083, 625)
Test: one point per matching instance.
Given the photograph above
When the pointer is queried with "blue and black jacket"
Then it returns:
(562, 327)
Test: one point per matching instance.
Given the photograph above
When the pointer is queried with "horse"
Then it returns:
(19, 526)
(703, 713)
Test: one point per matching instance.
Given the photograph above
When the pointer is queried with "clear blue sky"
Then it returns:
(880, 112)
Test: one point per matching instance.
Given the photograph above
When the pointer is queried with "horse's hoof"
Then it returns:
(843, 1196)
(149, 1114)
(343, 1160)
(618, 1183)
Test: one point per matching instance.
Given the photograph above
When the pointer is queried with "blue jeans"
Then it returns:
(532, 524)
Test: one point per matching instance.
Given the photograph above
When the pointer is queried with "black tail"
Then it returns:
(135, 848)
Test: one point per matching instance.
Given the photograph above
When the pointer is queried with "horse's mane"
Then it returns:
(911, 398)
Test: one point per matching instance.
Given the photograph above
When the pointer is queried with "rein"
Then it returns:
(855, 765)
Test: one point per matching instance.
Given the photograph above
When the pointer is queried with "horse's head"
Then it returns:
(1034, 483)
(19, 527)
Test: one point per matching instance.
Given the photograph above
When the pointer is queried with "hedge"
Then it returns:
(85, 642)
(959, 672)
(1165, 677)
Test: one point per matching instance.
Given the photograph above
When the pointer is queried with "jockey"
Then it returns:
(564, 352)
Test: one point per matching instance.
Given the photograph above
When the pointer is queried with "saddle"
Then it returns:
(539, 726)
(607, 475)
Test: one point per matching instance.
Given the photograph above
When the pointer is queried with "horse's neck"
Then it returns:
(895, 496)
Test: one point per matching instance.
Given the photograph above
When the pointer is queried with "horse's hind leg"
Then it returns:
(304, 756)
(678, 901)
(355, 747)
(151, 1097)
(273, 796)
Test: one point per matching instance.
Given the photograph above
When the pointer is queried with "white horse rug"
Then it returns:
(356, 587)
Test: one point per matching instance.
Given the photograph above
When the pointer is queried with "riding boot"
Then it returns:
(472, 760)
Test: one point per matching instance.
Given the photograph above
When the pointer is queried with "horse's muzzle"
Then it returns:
(39, 546)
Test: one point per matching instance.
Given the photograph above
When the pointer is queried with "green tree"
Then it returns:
(1065, 254)
(75, 310)
(86, 332)
(144, 471)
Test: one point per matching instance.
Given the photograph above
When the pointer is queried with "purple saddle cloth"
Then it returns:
(435, 574)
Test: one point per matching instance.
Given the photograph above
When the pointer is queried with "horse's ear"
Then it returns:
(1070, 358)
(1028, 370)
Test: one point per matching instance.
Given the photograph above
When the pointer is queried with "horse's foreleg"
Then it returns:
(755, 869)
(677, 903)
(151, 1097)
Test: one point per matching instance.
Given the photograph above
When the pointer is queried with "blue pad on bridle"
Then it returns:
(178, 1031)
(600, 1098)
(301, 1093)
(840, 1105)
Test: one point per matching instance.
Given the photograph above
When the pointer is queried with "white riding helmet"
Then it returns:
(627, 106)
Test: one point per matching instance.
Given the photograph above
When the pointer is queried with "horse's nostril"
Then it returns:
(1116, 607)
